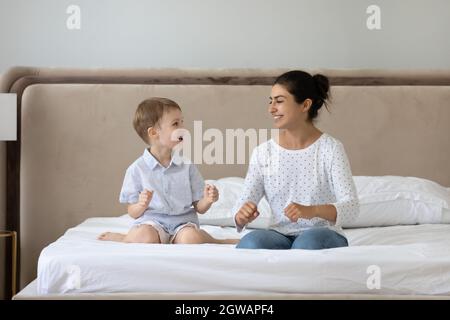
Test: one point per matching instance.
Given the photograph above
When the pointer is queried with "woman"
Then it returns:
(304, 173)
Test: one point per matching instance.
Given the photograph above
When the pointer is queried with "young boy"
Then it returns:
(163, 193)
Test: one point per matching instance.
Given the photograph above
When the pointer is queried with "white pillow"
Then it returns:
(396, 200)
(384, 201)
(446, 213)
(221, 212)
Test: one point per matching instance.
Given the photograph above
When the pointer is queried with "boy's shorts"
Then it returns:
(164, 236)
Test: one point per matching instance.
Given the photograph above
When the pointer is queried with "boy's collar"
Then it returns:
(153, 162)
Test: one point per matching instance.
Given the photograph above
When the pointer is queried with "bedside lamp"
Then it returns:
(8, 116)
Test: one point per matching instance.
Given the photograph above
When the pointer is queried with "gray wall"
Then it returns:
(222, 34)
(225, 33)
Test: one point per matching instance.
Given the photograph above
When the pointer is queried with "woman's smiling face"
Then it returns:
(285, 111)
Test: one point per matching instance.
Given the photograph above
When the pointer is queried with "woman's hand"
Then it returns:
(295, 211)
(246, 214)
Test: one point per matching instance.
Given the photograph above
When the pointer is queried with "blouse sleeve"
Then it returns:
(347, 204)
(253, 186)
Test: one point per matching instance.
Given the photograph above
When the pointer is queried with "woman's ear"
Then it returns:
(306, 105)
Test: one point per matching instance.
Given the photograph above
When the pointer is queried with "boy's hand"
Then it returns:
(246, 214)
(145, 197)
(210, 193)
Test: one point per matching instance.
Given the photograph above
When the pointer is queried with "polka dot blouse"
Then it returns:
(318, 174)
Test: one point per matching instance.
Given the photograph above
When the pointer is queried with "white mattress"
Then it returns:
(411, 260)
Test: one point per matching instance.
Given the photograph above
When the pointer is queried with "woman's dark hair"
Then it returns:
(302, 86)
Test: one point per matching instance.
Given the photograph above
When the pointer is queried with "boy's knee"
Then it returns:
(188, 235)
(143, 234)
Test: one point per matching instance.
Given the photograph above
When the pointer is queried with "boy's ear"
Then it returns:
(151, 132)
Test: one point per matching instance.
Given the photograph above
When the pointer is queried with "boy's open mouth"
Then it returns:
(180, 138)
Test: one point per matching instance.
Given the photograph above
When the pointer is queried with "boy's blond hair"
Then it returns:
(149, 112)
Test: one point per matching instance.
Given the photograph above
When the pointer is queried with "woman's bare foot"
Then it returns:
(111, 236)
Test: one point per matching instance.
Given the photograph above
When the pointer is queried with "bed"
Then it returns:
(75, 141)
(414, 260)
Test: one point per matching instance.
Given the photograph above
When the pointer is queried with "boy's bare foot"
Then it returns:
(111, 236)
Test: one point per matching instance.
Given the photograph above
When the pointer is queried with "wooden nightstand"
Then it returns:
(13, 235)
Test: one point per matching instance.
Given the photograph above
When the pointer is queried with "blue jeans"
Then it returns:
(312, 239)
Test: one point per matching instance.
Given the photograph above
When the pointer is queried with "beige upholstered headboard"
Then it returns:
(76, 137)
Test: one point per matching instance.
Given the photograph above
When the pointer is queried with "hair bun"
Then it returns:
(323, 88)
(302, 85)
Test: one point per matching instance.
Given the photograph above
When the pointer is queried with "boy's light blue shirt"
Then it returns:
(175, 189)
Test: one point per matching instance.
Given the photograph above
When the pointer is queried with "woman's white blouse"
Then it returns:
(318, 174)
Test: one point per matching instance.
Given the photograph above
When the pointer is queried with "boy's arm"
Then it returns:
(135, 210)
(210, 195)
(202, 205)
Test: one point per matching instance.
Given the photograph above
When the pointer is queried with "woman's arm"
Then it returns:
(296, 211)
(346, 207)
(325, 211)
(253, 188)
(346, 204)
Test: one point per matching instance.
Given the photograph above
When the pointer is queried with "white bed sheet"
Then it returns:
(411, 260)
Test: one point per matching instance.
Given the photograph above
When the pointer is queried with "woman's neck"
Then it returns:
(298, 138)
(162, 154)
